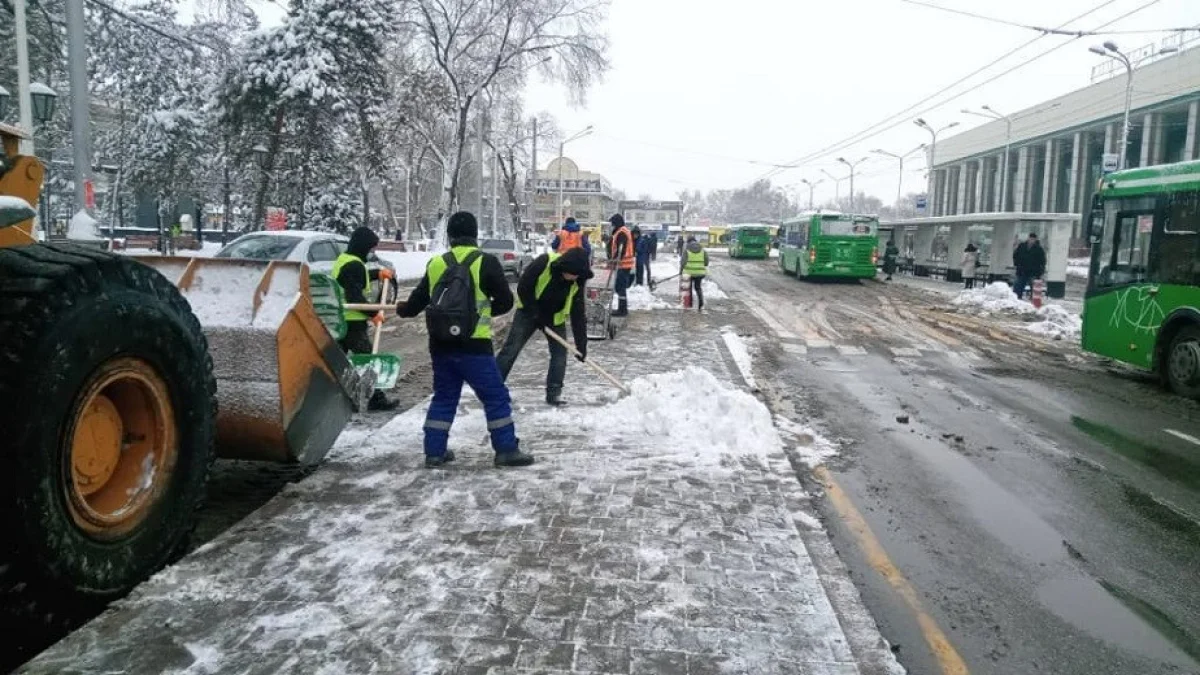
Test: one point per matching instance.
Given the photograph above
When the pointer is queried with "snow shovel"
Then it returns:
(654, 284)
(330, 304)
(575, 352)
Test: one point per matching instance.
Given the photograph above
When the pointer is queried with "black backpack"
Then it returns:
(452, 315)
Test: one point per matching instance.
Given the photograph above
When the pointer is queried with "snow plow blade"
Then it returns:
(285, 390)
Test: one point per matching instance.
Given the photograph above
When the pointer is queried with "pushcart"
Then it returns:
(598, 301)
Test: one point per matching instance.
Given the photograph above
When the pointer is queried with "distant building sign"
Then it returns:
(921, 203)
(1112, 161)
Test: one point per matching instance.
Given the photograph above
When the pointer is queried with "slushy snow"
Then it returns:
(641, 299)
(1056, 323)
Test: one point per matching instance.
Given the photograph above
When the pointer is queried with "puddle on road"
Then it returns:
(1175, 468)
(1119, 618)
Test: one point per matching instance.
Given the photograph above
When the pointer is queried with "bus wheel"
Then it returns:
(1183, 362)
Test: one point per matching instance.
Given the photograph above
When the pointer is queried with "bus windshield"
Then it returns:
(849, 228)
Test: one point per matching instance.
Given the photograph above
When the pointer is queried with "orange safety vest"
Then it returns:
(569, 240)
(626, 261)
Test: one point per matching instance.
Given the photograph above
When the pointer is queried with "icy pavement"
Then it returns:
(661, 532)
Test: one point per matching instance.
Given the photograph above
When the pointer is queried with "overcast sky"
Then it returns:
(699, 91)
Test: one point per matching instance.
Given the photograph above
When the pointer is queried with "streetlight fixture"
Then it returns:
(853, 166)
(4, 97)
(43, 99)
(991, 114)
(586, 131)
(812, 185)
(1110, 50)
(837, 185)
(900, 158)
(933, 133)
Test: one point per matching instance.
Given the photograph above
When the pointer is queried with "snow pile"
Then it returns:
(641, 299)
(712, 291)
(996, 297)
(408, 264)
(686, 414)
(741, 355)
(1056, 323)
(83, 227)
(812, 448)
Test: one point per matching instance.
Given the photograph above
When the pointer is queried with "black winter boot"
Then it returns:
(379, 401)
(622, 307)
(439, 462)
(513, 458)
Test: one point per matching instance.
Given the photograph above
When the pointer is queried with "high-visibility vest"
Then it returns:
(568, 240)
(694, 265)
(626, 261)
(483, 304)
(349, 314)
(560, 317)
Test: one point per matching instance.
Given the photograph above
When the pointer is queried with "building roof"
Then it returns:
(1156, 83)
(983, 219)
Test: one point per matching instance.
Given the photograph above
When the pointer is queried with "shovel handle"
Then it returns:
(575, 352)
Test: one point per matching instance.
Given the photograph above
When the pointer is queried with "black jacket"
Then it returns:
(353, 274)
(494, 285)
(1029, 261)
(554, 296)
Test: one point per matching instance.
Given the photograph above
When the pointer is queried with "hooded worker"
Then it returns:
(350, 270)
(620, 257)
(642, 245)
(571, 236)
(550, 291)
(694, 264)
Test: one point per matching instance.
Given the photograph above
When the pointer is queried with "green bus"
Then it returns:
(830, 244)
(749, 241)
(1142, 304)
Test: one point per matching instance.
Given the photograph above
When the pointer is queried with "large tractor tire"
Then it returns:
(107, 407)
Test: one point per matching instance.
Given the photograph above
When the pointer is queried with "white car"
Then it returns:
(318, 249)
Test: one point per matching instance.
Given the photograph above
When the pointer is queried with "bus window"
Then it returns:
(793, 237)
(1125, 246)
(1178, 253)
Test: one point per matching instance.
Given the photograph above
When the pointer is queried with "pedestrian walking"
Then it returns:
(549, 293)
(970, 260)
(679, 245)
(891, 254)
(350, 271)
(694, 263)
(654, 246)
(620, 258)
(461, 292)
(641, 246)
(1029, 263)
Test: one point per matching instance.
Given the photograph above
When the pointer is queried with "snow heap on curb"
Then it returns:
(741, 355)
(688, 415)
(996, 297)
(1056, 323)
(641, 299)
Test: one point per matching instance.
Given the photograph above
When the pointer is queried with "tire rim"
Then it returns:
(1185, 362)
(122, 447)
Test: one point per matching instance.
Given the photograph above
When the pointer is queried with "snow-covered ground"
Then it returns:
(997, 299)
(207, 250)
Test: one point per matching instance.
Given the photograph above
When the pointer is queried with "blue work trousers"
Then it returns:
(480, 372)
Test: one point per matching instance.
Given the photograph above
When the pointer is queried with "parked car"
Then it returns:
(513, 255)
(318, 249)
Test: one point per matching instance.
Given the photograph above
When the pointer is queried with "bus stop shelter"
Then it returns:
(933, 246)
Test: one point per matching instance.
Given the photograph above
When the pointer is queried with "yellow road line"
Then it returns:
(947, 657)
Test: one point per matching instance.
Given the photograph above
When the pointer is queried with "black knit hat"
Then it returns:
(574, 261)
(617, 221)
(462, 225)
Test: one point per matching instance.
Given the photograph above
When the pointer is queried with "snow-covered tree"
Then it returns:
(335, 207)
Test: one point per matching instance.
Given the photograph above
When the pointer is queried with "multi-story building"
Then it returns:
(1059, 149)
(653, 216)
(586, 196)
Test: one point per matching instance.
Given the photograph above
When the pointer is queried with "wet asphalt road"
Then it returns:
(1044, 506)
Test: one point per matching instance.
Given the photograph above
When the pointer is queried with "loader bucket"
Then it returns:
(285, 390)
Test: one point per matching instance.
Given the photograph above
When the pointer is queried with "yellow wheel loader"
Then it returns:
(120, 381)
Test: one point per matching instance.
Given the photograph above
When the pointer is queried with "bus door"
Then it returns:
(1123, 313)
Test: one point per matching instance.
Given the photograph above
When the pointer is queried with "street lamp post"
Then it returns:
(812, 185)
(1110, 50)
(837, 186)
(900, 158)
(933, 133)
(561, 146)
(990, 113)
(853, 166)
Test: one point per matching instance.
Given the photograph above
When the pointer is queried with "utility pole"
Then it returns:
(24, 101)
(80, 134)
(531, 199)
(495, 187)
(853, 166)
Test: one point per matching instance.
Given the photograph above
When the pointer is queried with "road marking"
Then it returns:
(944, 653)
(817, 343)
(765, 317)
(793, 348)
(908, 352)
(850, 350)
(1187, 437)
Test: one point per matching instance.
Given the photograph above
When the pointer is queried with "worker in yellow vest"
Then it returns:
(694, 264)
(350, 271)
(550, 291)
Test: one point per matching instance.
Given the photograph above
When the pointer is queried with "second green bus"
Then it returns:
(830, 245)
(749, 241)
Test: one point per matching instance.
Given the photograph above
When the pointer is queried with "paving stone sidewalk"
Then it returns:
(603, 558)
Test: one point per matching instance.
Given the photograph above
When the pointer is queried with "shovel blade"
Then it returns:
(386, 368)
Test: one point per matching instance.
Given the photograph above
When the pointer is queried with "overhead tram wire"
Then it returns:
(906, 113)
(1044, 30)
(888, 123)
